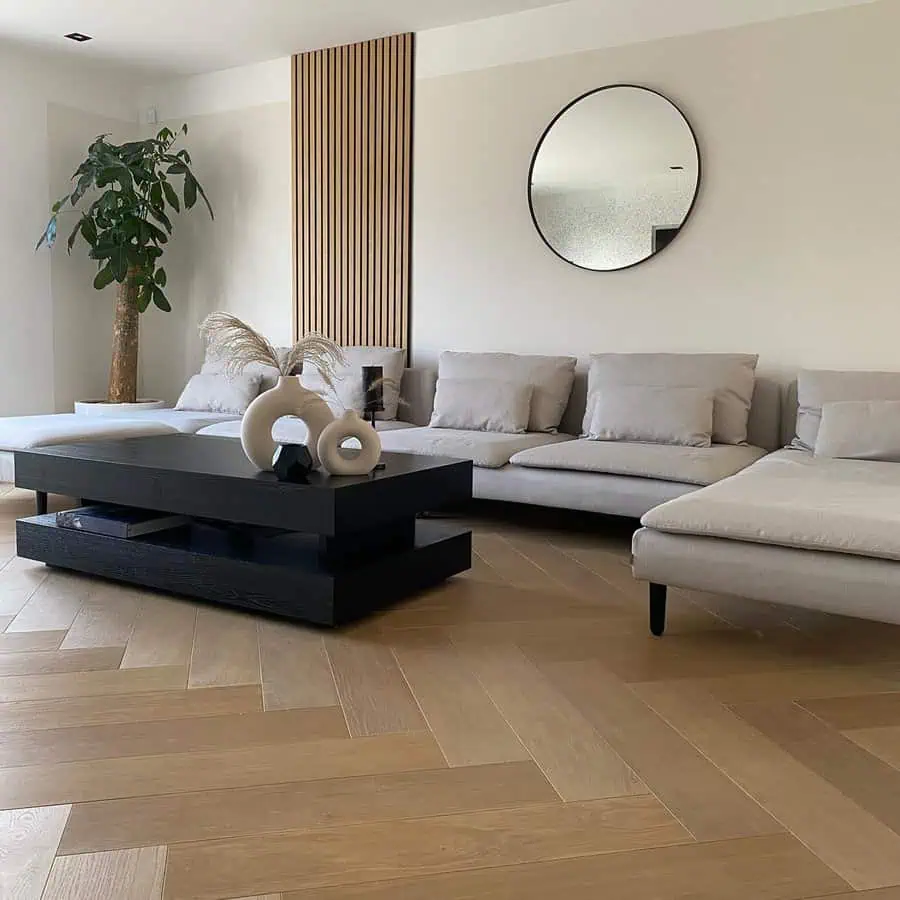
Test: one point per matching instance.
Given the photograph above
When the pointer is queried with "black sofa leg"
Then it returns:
(658, 609)
(40, 502)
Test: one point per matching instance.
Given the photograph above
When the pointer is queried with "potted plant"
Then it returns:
(126, 228)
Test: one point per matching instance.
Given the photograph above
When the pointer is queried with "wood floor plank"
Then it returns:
(706, 802)
(31, 715)
(106, 619)
(18, 582)
(373, 693)
(163, 634)
(119, 875)
(54, 605)
(804, 685)
(579, 763)
(891, 893)
(469, 728)
(226, 650)
(31, 641)
(121, 740)
(296, 673)
(358, 853)
(212, 815)
(764, 868)
(167, 773)
(860, 848)
(29, 838)
(868, 781)
(91, 684)
(46, 662)
(569, 573)
(514, 568)
(870, 710)
(467, 602)
(881, 742)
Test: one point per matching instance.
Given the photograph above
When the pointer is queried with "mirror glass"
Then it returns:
(614, 178)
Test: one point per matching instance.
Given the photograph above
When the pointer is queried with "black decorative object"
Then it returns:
(373, 390)
(292, 462)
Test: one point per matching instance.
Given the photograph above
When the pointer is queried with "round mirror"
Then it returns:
(614, 178)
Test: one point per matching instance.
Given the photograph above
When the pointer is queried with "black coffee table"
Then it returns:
(327, 552)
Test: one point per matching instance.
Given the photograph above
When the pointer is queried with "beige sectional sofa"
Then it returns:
(815, 525)
(561, 469)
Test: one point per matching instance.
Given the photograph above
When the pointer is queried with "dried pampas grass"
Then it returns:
(239, 345)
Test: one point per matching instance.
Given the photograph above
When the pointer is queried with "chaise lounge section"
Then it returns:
(816, 525)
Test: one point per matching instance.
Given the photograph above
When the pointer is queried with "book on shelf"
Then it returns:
(119, 521)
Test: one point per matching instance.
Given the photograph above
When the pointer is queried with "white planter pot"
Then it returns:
(112, 410)
(287, 398)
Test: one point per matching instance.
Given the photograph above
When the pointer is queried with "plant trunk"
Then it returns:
(124, 369)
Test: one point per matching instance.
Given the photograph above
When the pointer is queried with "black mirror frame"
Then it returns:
(547, 131)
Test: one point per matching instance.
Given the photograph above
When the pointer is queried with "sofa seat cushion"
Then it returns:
(287, 430)
(664, 462)
(27, 432)
(186, 421)
(794, 499)
(487, 449)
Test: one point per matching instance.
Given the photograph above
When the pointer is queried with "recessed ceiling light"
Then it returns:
(677, 168)
(78, 36)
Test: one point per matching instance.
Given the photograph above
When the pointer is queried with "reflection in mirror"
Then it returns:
(614, 178)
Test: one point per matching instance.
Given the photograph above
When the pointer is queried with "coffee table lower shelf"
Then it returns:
(281, 574)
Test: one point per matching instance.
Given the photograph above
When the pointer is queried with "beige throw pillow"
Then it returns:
(481, 404)
(210, 392)
(863, 429)
(653, 415)
(550, 376)
(729, 376)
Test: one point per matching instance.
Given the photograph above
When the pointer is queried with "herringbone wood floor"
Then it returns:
(515, 734)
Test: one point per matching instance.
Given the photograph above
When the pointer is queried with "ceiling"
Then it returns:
(186, 37)
(182, 37)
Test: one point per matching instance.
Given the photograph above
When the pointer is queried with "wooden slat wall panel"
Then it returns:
(352, 140)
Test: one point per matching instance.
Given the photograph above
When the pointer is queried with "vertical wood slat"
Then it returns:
(352, 148)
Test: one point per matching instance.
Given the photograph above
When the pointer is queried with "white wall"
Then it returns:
(33, 90)
(239, 138)
(790, 252)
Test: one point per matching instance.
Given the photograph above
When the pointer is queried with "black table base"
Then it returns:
(285, 575)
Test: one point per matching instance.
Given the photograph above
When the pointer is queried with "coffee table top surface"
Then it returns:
(224, 457)
(209, 477)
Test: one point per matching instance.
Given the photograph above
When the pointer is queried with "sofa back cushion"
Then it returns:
(549, 376)
(730, 377)
(815, 388)
(860, 429)
(653, 415)
(349, 393)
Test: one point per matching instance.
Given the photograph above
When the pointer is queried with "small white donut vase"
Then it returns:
(349, 425)
(287, 398)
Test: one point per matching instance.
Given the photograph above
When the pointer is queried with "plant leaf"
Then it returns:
(159, 298)
(171, 196)
(72, 237)
(118, 263)
(59, 204)
(103, 278)
(156, 194)
(190, 190)
(161, 277)
(89, 230)
(145, 295)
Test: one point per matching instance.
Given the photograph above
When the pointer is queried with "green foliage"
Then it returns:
(128, 224)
